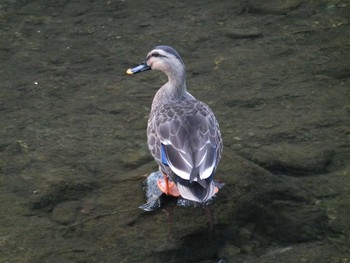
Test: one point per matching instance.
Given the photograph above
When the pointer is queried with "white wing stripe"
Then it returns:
(205, 155)
(207, 142)
(168, 142)
(184, 158)
(183, 174)
(207, 172)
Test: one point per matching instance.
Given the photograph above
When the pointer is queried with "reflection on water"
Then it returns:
(73, 141)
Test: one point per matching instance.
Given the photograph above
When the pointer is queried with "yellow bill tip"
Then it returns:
(129, 72)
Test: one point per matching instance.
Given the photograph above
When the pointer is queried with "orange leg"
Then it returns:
(168, 187)
(166, 179)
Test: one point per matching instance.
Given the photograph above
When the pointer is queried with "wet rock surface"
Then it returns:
(73, 153)
(65, 213)
(292, 159)
(279, 7)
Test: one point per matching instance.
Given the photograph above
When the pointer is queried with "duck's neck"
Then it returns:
(174, 89)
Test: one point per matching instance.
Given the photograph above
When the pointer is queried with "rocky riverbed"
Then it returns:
(73, 153)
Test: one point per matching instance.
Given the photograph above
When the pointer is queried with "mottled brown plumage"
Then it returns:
(183, 134)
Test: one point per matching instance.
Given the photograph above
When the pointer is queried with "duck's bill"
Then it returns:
(140, 68)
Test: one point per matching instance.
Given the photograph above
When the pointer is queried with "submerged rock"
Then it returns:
(66, 212)
(278, 7)
(228, 251)
(243, 32)
(292, 159)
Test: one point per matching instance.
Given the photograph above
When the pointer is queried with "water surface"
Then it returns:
(73, 141)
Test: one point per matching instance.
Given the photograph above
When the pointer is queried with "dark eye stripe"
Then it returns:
(157, 55)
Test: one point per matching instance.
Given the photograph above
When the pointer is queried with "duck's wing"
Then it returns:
(190, 142)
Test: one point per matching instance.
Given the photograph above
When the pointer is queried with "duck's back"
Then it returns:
(184, 138)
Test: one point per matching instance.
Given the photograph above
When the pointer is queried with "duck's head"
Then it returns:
(163, 58)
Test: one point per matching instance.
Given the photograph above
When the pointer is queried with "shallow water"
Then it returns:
(73, 150)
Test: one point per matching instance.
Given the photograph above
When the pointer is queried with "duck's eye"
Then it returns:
(155, 54)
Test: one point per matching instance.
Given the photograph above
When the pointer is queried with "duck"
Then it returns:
(183, 134)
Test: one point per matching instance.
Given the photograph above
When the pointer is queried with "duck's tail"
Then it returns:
(196, 192)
